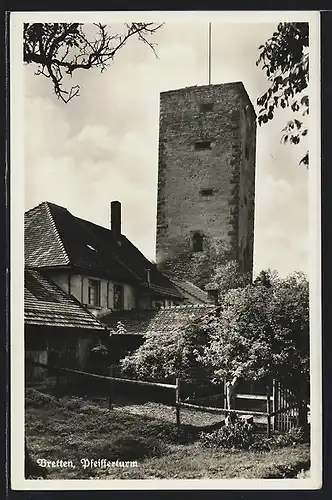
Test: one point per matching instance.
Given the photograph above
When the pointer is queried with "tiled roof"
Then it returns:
(159, 320)
(135, 321)
(189, 288)
(46, 304)
(55, 237)
(179, 316)
(42, 243)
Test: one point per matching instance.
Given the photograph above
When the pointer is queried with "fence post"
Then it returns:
(303, 417)
(225, 395)
(268, 409)
(58, 380)
(177, 401)
(110, 397)
(274, 403)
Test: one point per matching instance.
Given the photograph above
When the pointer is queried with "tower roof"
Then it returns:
(214, 86)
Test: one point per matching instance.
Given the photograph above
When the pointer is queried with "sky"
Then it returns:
(103, 145)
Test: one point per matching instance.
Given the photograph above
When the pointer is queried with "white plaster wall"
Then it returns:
(79, 285)
(61, 280)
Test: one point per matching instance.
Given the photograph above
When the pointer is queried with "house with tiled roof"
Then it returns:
(155, 320)
(76, 274)
(100, 267)
(57, 326)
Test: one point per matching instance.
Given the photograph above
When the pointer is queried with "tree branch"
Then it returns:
(66, 47)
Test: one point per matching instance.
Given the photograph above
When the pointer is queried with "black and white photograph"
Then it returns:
(165, 239)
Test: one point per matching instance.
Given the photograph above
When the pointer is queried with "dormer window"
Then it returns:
(197, 242)
(90, 247)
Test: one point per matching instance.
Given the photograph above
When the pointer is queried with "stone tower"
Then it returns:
(206, 175)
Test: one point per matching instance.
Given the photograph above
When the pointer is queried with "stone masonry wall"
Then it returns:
(247, 189)
(228, 168)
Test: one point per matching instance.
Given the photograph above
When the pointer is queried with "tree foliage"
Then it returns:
(266, 278)
(227, 276)
(59, 49)
(197, 267)
(262, 332)
(285, 60)
(166, 355)
(259, 332)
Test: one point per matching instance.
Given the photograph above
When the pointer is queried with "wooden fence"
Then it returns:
(281, 414)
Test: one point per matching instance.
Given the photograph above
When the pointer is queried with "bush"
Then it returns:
(300, 434)
(293, 437)
(242, 436)
(168, 432)
(37, 399)
(260, 444)
(71, 403)
(239, 435)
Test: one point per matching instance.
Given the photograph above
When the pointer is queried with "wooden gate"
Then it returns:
(288, 411)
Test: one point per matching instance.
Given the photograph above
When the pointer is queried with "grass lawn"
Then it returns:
(75, 429)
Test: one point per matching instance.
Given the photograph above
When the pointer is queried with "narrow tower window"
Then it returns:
(206, 107)
(197, 242)
(203, 145)
(206, 192)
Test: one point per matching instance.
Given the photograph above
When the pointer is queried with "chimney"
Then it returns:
(116, 219)
(213, 296)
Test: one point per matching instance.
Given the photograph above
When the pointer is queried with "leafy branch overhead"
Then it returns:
(285, 60)
(59, 49)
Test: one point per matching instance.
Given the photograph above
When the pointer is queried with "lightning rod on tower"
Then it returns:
(209, 54)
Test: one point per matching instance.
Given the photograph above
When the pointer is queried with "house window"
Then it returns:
(197, 243)
(206, 107)
(109, 295)
(206, 192)
(118, 296)
(203, 145)
(94, 293)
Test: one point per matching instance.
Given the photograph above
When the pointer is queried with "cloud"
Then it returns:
(46, 127)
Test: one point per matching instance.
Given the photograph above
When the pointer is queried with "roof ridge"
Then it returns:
(190, 87)
(194, 291)
(46, 203)
(56, 232)
(188, 306)
(193, 284)
(177, 280)
(34, 208)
